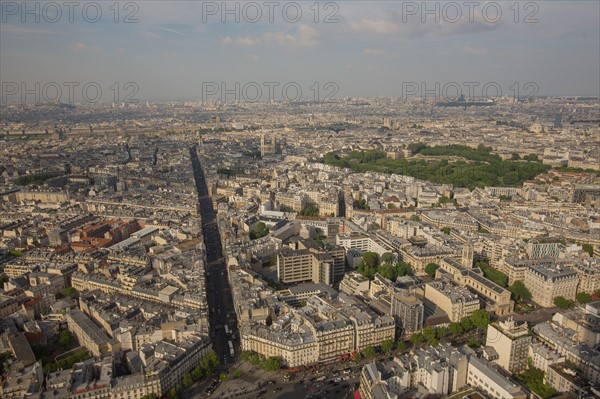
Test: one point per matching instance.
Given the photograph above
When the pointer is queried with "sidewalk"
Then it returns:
(252, 380)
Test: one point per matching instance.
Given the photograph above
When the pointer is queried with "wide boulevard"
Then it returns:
(221, 311)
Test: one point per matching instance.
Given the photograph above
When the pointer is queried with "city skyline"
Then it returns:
(372, 49)
(299, 200)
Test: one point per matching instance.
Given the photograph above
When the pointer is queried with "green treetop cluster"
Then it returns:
(472, 168)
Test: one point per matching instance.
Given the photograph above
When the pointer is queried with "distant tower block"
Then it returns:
(467, 254)
(558, 121)
(268, 145)
(59, 133)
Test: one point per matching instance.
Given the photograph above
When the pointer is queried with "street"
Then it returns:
(218, 292)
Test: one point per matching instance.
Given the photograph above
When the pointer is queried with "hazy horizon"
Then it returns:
(373, 50)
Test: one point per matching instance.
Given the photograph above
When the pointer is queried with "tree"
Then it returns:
(531, 158)
(249, 356)
(441, 332)
(387, 346)
(371, 259)
(583, 297)
(237, 373)
(431, 268)
(455, 328)
(366, 271)
(173, 394)
(187, 380)
(370, 352)
(429, 334)
(415, 148)
(403, 269)
(387, 257)
(368, 265)
(533, 378)
(70, 292)
(480, 318)
(223, 377)
(562, 302)
(197, 373)
(446, 230)
(357, 357)
(319, 236)
(416, 338)
(15, 252)
(361, 204)
(271, 363)
(588, 248)
(492, 274)
(212, 359)
(520, 293)
(466, 324)
(388, 271)
(515, 157)
(64, 338)
(484, 168)
(310, 210)
(597, 292)
(400, 346)
(260, 231)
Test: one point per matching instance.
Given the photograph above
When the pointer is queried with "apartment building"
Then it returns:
(494, 384)
(543, 247)
(303, 260)
(561, 340)
(408, 312)
(497, 298)
(8, 306)
(89, 334)
(354, 283)
(588, 271)
(321, 331)
(362, 242)
(452, 298)
(292, 341)
(511, 341)
(439, 370)
(546, 283)
(584, 321)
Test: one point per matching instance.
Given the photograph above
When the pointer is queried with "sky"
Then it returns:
(194, 50)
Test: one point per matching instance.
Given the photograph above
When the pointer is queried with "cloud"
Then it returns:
(243, 41)
(393, 24)
(150, 35)
(171, 30)
(253, 57)
(304, 37)
(4, 28)
(83, 48)
(375, 26)
(474, 50)
(374, 51)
